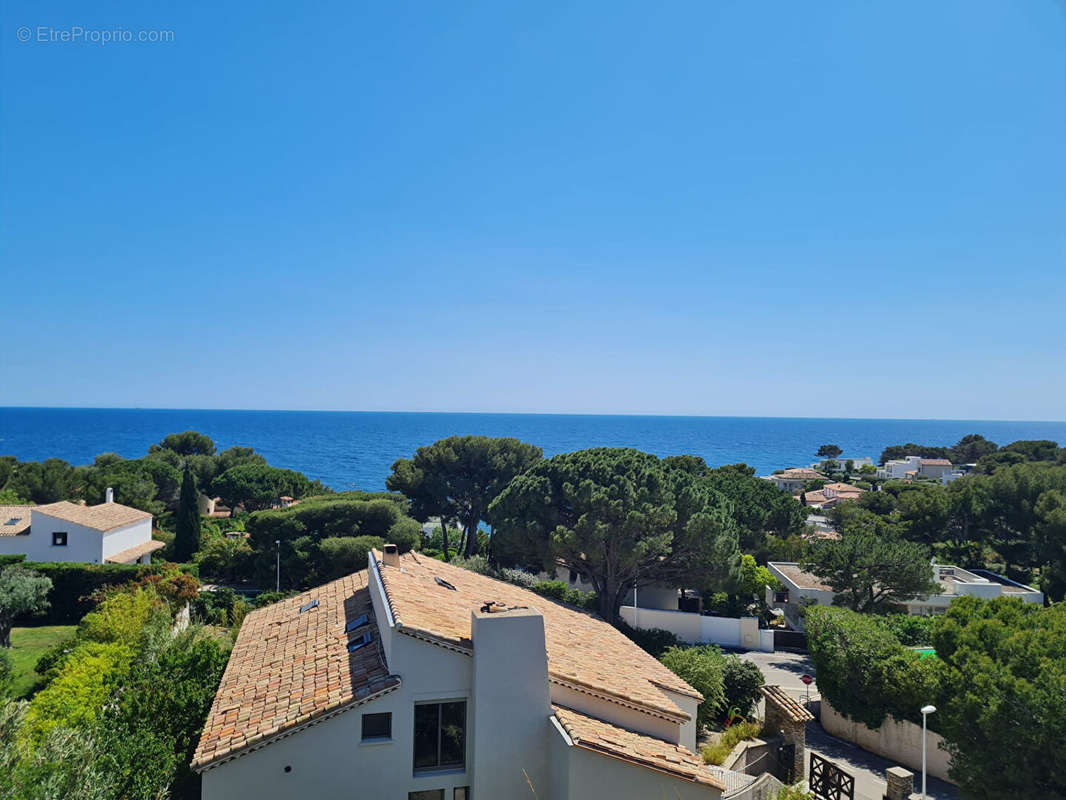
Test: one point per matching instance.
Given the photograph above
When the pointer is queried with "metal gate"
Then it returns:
(790, 640)
(830, 782)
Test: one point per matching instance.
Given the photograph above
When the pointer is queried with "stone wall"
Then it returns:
(897, 740)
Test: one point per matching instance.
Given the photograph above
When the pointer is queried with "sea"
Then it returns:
(355, 449)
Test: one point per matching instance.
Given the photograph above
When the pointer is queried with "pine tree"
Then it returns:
(187, 539)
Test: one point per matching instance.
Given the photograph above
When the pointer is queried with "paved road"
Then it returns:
(785, 669)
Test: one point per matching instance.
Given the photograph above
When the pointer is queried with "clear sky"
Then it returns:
(750, 208)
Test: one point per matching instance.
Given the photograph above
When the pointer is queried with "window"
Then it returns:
(440, 735)
(377, 726)
(59, 539)
(426, 794)
(461, 793)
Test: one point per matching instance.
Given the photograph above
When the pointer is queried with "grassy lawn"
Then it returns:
(29, 644)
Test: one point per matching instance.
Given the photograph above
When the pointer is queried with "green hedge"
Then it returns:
(8, 560)
(74, 583)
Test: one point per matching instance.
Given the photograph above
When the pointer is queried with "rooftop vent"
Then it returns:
(445, 584)
(109, 495)
(309, 606)
(356, 623)
(361, 640)
(13, 521)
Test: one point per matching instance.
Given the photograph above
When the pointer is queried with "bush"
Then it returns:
(74, 585)
(701, 668)
(557, 590)
(7, 673)
(519, 577)
(653, 640)
(735, 734)
(478, 564)
(7, 560)
(268, 598)
(225, 558)
(740, 682)
(343, 555)
(911, 631)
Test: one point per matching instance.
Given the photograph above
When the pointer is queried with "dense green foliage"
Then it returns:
(187, 521)
(134, 695)
(620, 518)
(735, 734)
(306, 528)
(458, 478)
(701, 668)
(741, 681)
(998, 682)
(150, 483)
(22, 591)
(1003, 706)
(870, 572)
(258, 486)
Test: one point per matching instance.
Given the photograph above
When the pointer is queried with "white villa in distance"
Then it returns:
(419, 680)
(799, 585)
(108, 533)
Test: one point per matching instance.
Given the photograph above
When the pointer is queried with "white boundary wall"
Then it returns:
(693, 628)
(896, 740)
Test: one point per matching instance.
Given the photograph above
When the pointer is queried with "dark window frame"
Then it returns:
(56, 540)
(440, 763)
(377, 737)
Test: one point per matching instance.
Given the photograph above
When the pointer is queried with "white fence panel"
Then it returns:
(695, 628)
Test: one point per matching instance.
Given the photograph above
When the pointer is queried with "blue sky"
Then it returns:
(773, 208)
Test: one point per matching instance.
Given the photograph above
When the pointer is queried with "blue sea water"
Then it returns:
(349, 450)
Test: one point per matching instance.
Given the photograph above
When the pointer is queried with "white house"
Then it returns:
(800, 588)
(107, 533)
(897, 469)
(857, 463)
(421, 680)
(793, 479)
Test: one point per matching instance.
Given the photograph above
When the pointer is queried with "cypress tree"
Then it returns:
(187, 539)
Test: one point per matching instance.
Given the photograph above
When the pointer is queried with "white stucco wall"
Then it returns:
(119, 539)
(594, 776)
(699, 629)
(623, 717)
(83, 544)
(897, 740)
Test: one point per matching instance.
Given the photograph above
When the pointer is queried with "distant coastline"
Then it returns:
(355, 449)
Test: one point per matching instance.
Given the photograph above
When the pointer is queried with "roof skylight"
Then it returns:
(356, 623)
(445, 584)
(361, 640)
(309, 606)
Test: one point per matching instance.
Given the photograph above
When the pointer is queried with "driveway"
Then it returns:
(785, 669)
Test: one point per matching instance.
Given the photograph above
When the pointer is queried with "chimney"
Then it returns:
(109, 495)
(391, 556)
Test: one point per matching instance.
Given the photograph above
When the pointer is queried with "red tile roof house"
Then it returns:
(418, 679)
(106, 533)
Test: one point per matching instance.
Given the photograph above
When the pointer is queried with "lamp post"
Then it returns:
(926, 711)
(277, 581)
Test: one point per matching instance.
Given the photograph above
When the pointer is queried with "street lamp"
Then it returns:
(277, 582)
(926, 711)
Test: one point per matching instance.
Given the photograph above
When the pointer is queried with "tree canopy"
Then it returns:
(187, 532)
(619, 517)
(869, 572)
(459, 477)
(829, 451)
(22, 591)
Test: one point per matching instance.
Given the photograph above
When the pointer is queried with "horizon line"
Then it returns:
(515, 413)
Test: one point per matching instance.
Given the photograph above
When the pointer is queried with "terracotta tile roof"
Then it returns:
(289, 669)
(645, 751)
(131, 554)
(17, 516)
(102, 517)
(790, 707)
(584, 652)
(934, 462)
(799, 473)
(844, 488)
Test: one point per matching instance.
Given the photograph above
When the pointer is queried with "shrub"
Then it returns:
(795, 792)
(267, 598)
(478, 564)
(343, 555)
(7, 560)
(519, 577)
(740, 682)
(701, 668)
(225, 558)
(7, 673)
(735, 734)
(911, 631)
(653, 640)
